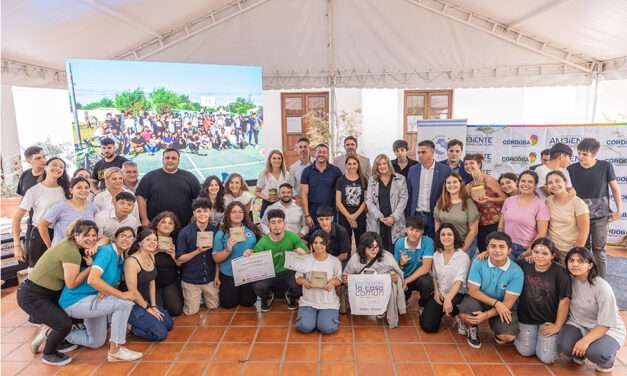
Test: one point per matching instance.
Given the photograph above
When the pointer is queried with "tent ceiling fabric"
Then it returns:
(391, 44)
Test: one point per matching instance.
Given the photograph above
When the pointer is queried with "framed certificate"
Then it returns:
(204, 239)
(255, 267)
(237, 233)
(165, 242)
(318, 279)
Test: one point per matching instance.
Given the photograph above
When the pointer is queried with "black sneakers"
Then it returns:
(266, 304)
(292, 303)
(473, 337)
(65, 347)
(56, 359)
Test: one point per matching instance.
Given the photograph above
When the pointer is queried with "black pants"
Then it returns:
(232, 296)
(36, 246)
(284, 281)
(484, 231)
(432, 314)
(170, 297)
(424, 285)
(41, 304)
(357, 232)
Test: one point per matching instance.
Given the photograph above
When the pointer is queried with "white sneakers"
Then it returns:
(40, 338)
(462, 329)
(124, 355)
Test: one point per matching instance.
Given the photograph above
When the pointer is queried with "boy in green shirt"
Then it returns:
(278, 241)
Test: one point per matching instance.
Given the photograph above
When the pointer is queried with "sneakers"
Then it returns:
(40, 338)
(65, 347)
(56, 359)
(604, 370)
(292, 303)
(124, 355)
(473, 337)
(579, 361)
(266, 304)
(499, 341)
(462, 329)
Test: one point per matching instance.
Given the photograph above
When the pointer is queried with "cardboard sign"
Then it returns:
(477, 192)
(204, 239)
(237, 233)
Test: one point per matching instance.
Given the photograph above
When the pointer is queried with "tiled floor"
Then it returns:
(241, 342)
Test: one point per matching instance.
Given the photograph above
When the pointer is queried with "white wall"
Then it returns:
(8, 132)
(272, 120)
(382, 121)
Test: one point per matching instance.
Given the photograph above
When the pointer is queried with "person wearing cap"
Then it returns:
(110, 158)
(560, 155)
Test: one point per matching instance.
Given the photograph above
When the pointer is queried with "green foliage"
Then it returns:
(133, 101)
(164, 100)
(240, 106)
(103, 103)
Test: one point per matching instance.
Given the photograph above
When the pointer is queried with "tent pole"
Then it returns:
(595, 97)
(332, 79)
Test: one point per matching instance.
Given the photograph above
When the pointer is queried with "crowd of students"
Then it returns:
(524, 253)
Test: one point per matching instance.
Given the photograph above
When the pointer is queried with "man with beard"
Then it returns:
(294, 217)
(110, 158)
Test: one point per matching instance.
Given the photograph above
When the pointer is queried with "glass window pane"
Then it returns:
(416, 106)
(294, 103)
(439, 107)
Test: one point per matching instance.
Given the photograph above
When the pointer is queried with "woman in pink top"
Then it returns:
(525, 217)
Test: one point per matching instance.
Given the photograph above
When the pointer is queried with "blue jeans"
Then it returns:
(146, 326)
(601, 352)
(472, 250)
(310, 319)
(95, 312)
(517, 250)
(530, 342)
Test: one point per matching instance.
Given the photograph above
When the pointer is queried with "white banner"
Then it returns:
(515, 148)
(440, 132)
(368, 294)
(255, 267)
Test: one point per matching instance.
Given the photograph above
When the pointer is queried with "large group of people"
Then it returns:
(194, 132)
(524, 253)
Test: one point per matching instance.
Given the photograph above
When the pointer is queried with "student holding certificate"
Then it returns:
(193, 252)
(319, 306)
(278, 241)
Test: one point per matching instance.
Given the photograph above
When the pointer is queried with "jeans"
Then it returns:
(601, 352)
(95, 312)
(530, 342)
(232, 296)
(146, 326)
(432, 314)
(424, 285)
(170, 297)
(309, 319)
(596, 242)
(283, 281)
(517, 250)
(41, 304)
(470, 305)
(472, 250)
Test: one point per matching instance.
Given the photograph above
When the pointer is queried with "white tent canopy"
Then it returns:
(318, 43)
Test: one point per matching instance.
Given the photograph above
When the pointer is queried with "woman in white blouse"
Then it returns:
(114, 184)
(270, 179)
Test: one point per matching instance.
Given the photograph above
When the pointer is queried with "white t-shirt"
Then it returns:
(108, 223)
(104, 202)
(542, 172)
(447, 274)
(245, 198)
(268, 181)
(40, 198)
(321, 298)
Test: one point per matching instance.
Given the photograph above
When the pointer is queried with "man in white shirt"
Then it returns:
(560, 155)
(294, 216)
(130, 173)
(350, 146)
(110, 220)
(304, 160)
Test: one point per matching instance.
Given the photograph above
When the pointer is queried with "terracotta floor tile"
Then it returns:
(261, 369)
(366, 321)
(180, 334)
(151, 368)
(442, 336)
(231, 352)
(20, 335)
(275, 319)
(37, 368)
(571, 369)
(207, 334)
(414, 369)
(184, 320)
(240, 334)
(406, 320)
(163, 351)
(266, 352)
(338, 369)
(78, 368)
(452, 370)
(7, 349)
(403, 334)
(302, 352)
(272, 334)
(14, 318)
(197, 352)
(529, 370)
(22, 353)
(489, 370)
(296, 336)
(375, 369)
(486, 354)
(343, 335)
(510, 355)
(216, 319)
(12, 368)
(372, 353)
(444, 353)
(222, 369)
(91, 354)
(114, 369)
(188, 369)
(299, 369)
(245, 319)
(369, 335)
(334, 352)
(407, 352)
(142, 347)
(345, 320)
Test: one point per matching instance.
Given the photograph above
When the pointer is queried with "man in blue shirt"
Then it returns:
(317, 184)
(414, 254)
(494, 285)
